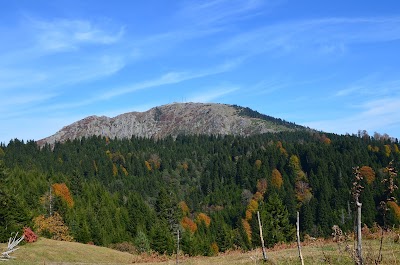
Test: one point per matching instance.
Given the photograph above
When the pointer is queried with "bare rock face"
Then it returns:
(171, 120)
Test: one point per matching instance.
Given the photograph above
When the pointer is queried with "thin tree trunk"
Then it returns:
(177, 249)
(261, 237)
(298, 238)
(359, 238)
(50, 202)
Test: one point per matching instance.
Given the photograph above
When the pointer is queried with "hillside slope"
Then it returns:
(174, 119)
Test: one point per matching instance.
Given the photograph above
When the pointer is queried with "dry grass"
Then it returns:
(47, 252)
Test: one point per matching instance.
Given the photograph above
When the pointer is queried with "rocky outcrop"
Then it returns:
(171, 119)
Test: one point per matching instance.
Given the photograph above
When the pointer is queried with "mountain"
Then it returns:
(172, 120)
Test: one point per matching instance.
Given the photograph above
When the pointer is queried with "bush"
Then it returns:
(29, 235)
(124, 247)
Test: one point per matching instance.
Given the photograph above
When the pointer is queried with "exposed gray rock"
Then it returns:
(172, 119)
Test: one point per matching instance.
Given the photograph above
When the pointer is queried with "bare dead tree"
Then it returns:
(390, 188)
(356, 192)
(261, 237)
(12, 243)
(298, 238)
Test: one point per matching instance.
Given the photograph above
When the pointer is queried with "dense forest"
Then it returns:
(105, 191)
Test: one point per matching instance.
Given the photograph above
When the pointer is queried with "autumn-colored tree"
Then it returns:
(115, 170)
(53, 227)
(258, 164)
(387, 150)
(29, 235)
(325, 140)
(96, 169)
(258, 196)
(302, 187)
(184, 208)
(281, 149)
(396, 149)
(277, 179)
(262, 186)
(148, 166)
(155, 160)
(247, 228)
(374, 149)
(368, 174)
(395, 208)
(202, 217)
(185, 166)
(61, 190)
(188, 224)
(123, 169)
(303, 191)
(214, 248)
(294, 163)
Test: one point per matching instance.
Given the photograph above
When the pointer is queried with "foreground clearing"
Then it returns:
(51, 252)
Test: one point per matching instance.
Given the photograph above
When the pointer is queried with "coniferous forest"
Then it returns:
(106, 191)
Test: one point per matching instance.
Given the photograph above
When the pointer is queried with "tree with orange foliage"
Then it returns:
(277, 179)
(247, 229)
(203, 218)
(61, 190)
(184, 208)
(395, 208)
(188, 224)
(258, 196)
(368, 174)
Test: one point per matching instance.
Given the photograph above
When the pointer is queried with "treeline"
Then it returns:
(105, 191)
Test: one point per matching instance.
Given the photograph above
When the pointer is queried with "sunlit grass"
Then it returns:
(47, 251)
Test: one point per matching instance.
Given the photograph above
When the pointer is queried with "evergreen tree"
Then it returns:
(13, 217)
(275, 219)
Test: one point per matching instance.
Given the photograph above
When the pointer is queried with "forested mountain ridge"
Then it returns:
(172, 120)
(142, 190)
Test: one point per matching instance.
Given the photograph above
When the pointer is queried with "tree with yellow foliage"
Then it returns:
(276, 179)
(52, 227)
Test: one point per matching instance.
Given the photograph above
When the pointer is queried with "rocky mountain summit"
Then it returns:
(172, 120)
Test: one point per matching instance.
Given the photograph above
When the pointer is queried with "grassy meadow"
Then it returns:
(46, 251)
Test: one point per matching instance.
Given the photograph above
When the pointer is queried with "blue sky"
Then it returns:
(330, 65)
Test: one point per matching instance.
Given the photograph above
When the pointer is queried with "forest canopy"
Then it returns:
(141, 191)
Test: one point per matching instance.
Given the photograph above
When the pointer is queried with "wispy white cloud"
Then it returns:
(374, 85)
(15, 78)
(377, 115)
(212, 94)
(217, 12)
(172, 78)
(63, 34)
(22, 99)
(165, 79)
(326, 36)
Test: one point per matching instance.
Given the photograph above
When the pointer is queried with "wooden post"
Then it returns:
(359, 238)
(261, 237)
(298, 238)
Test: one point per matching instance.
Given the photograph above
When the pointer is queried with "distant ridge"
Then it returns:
(175, 119)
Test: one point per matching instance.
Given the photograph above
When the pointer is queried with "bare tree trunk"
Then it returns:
(50, 201)
(261, 237)
(359, 238)
(177, 249)
(298, 238)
